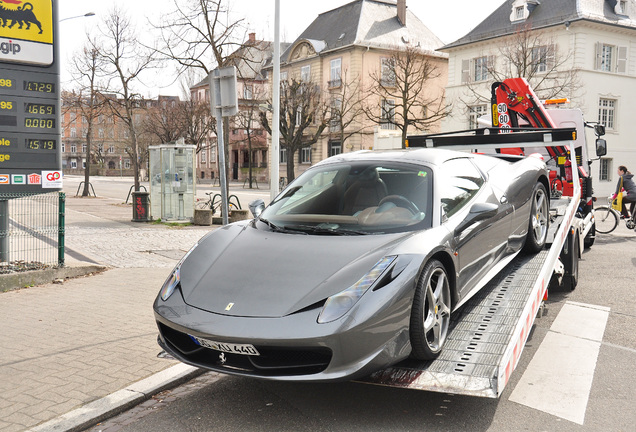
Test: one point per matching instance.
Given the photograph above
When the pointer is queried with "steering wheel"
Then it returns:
(401, 201)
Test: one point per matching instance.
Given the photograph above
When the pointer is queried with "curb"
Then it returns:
(13, 281)
(90, 414)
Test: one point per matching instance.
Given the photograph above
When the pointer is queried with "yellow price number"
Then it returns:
(6, 82)
(6, 105)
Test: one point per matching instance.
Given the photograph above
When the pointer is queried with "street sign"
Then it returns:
(30, 142)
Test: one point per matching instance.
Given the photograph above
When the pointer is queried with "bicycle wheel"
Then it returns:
(606, 220)
(202, 204)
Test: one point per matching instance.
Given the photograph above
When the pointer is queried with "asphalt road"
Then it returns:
(224, 403)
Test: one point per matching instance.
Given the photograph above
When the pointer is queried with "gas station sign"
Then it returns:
(30, 143)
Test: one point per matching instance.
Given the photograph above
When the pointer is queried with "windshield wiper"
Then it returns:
(317, 229)
(278, 228)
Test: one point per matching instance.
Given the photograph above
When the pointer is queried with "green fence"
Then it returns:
(31, 231)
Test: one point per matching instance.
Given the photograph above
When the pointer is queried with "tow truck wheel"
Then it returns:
(590, 237)
(571, 277)
(539, 220)
(430, 315)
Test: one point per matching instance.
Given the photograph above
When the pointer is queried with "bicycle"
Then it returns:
(211, 203)
(606, 219)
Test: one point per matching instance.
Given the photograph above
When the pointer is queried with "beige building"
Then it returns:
(343, 50)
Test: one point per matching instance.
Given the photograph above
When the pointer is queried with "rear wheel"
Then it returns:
(430, 315)
(605, 219)
(571, 264)
(590, 237)
(539, 220)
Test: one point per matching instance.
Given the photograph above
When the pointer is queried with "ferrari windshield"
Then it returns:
(354, 198)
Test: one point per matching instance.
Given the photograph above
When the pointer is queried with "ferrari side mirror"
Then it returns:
(256, 207)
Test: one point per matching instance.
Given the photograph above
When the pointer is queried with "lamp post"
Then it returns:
(88, 14)
(274, 170)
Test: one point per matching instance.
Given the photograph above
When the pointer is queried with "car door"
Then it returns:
(478, 217)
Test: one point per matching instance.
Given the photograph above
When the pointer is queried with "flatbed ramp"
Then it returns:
(485, 338)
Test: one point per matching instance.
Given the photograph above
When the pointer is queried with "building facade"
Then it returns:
(594, 39)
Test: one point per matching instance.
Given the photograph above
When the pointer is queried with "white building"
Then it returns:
(595, 38)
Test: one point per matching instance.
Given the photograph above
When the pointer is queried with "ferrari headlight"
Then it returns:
(339, 304)
(175, 277)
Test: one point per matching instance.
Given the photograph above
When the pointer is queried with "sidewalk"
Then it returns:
(73, 352)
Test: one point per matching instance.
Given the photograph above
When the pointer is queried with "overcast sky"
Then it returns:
(447, 23)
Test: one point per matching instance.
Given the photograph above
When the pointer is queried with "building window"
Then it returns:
(111, 149)
(474, 112)
(283, 155)
(63, 147)
(73, 133)
(305, 155)
(100, 148)
(607, 113)
(83, 163)
(305, 73)
(100, 133)
(477, 69)
(335, 148)
(111, 165)
(74, 149)
(387, 77)
(83, 148)
(388, 114)
(73, 117)
(127, 163)
(481, 69)
(203, 156)
(611, 58)
(283, 76)
(605, 173)
(335, 77)
(247, 91)
(541, 59)
(519, 12)
(336, 108)
(73, 163)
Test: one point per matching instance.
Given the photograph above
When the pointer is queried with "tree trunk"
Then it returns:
(290, 165)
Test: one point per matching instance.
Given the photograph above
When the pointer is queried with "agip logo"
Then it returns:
(26, 31)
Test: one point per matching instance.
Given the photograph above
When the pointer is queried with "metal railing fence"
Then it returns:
(31, 231)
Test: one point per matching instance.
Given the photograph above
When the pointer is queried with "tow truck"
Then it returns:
(487, 335)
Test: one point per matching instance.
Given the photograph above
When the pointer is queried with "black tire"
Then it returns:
(571, 280)
(605, 219)
(430, 314)
(590, 237)
(539, 220)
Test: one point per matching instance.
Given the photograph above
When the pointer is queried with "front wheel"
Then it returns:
(539, 220)
(430, 315)
(605, 219)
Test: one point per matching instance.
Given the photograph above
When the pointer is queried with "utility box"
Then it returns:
(172, 185)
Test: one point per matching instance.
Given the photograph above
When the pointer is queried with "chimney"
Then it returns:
(252, 37)
(401, 12)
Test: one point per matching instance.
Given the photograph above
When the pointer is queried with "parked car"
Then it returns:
(358, 264)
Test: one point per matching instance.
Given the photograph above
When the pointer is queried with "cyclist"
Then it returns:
(626, 181)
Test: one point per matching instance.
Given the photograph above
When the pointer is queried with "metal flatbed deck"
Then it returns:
(485, 338)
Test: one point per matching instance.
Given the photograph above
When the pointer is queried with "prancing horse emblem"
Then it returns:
(229, 306)
(222, 358)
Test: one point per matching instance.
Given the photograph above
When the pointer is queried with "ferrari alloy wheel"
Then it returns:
(539, 220)
(430, 316)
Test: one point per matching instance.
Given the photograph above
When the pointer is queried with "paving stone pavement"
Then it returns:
(65, 345)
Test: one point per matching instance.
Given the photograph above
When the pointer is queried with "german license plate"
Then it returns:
(232, 348)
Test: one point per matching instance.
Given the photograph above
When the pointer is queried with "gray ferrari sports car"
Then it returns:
(358, 264)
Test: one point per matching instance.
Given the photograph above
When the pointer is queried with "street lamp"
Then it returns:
(88, 14)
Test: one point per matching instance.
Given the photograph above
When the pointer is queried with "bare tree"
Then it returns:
(346, 109)
(248, 121)
(530, 54)
(87, 101)
(198, 34)
(303, 118)
(165, 121)
(404, 87)
(125, 59)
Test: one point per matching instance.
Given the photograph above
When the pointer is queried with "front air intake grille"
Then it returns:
(273, 361)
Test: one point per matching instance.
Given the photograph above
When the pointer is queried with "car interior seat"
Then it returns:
(367, 191)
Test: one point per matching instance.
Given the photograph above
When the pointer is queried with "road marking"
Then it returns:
(559, 377)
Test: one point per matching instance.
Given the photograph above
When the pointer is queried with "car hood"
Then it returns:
(249, 272)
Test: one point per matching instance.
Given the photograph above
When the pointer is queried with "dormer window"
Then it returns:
(621, 7)
(521, 9)
(519, 12)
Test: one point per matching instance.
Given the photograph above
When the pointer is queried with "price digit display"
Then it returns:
(44, 144)
(30, 122)
(6, 83)
(40, 87)
(33, 108)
